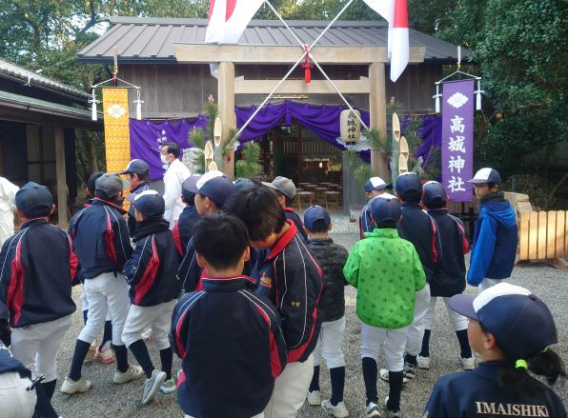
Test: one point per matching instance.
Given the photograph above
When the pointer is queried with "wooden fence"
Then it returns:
(543, 235)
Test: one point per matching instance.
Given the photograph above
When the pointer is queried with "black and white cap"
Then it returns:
(486, 175)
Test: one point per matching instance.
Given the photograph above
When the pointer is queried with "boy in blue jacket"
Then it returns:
(229, 339)
(154, 288)
(496, 236)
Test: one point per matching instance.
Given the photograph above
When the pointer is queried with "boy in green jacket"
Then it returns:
(387, 273)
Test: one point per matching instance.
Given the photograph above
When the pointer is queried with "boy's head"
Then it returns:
(91, 183)
(519, 322)
(285, 189)
(434, 196)
(110, 187)
(211, 191)
(260, 211)
(317, 220)
(34, 201)
(409, 187)
(138, 172)
(487, 180)
(221, 243)
(147, 205)
(385, 213)
(376, 186)
(243, 183)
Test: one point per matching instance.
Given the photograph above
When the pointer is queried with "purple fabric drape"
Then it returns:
(431, 134)
(323, 120)
(147, 136)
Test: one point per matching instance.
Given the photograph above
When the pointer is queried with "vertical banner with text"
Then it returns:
(117, 129)
(457, 139)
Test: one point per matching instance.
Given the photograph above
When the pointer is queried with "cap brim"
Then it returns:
(389, 186)
(270, 185)
(463, 304)
(477, 181)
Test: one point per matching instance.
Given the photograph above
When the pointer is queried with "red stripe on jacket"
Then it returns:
(15, 297)
(149, 277)
(434, 249)
(73, 260)
(177, 239)
(275, 365)
(109, 241)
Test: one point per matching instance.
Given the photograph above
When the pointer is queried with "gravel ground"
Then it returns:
(106, 399)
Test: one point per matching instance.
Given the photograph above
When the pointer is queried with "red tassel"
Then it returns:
(307, 67)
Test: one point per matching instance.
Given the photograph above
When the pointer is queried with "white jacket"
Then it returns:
(175, 175)
(7, 195)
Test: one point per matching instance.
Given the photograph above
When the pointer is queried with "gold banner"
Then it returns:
(117, 130)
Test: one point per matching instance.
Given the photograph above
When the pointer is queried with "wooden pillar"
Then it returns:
(226, 100)
(61, 177)
(378, 114)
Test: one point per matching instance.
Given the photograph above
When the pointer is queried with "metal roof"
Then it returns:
(31, 78)
(152, 39)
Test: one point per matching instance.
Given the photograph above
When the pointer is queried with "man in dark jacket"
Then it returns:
(154, 289)
(496, 236)
(331, 257)
(38, 266)
(101, 242)
(448, 278)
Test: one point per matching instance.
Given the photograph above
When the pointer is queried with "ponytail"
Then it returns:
(515, 374)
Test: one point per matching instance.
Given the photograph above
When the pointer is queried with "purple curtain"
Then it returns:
(147, 136)
(323, 120)
(431, 134)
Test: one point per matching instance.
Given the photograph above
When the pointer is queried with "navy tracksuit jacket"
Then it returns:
(231, 347)
(100, 239)
(38, 266)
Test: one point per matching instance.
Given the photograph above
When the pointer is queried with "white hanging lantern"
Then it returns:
(350, 125)
(93, 102)
(138, 105)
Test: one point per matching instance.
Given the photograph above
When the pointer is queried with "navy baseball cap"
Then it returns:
(187, 194)
(520, 322)
(243, 183)
(34, 200)
(434, 196)
(409, 187)
(376, 183)
(486, 175)
(110, 184)
(385, 211)
(313, 214)
(214, 184)
(139, 167)
(149, 203)
(92, 179)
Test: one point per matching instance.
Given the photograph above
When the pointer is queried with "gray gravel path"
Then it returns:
(109, 400)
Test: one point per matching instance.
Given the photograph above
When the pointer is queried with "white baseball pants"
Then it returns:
(290, 389)
(329, 344)
(36, 346)
(106, 293)
(373, 339)
(158, 317)
(15, 400)
(416, 329)
(459, 322)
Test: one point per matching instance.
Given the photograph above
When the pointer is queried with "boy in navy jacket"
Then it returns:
(292, 280)
(183, 229)
(448, 278)
(154, 288)
(496, 236)
(102, 244)
(229, 339)
(37, 266)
